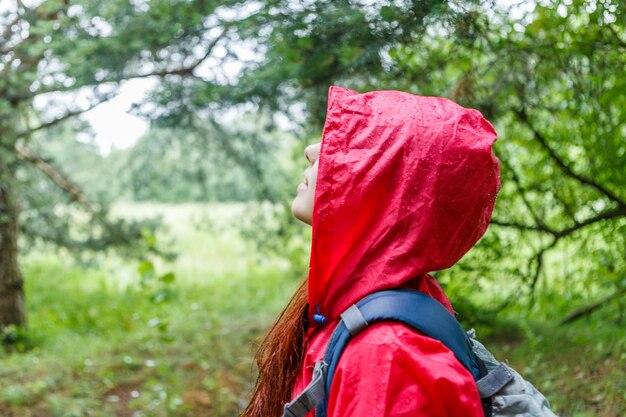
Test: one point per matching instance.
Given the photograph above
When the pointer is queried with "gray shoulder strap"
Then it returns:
(494, 381)
(354, 320)
(311, 396)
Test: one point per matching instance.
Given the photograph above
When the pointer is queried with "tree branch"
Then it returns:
(61, 180)
(593, 307)
(521, 226)
(619, 40)
(6, 34)
(55, 175)
(66, 116)
(538, 258)
(522, 191)
(605, 215)
(558, 234)
(210, 47)
(523, 117)
(188, 70)
(182, 71)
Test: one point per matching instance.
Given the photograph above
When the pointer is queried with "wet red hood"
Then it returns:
(406, 185)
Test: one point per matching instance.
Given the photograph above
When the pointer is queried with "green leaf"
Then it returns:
(168, 278)
(145, 268)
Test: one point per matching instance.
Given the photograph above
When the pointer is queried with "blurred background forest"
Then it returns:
(136, 279)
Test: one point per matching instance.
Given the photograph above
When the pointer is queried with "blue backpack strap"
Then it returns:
(413, 308)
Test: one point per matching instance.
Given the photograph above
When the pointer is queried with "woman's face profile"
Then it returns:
(302, 206)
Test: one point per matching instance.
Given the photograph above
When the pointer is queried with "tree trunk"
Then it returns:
(11, 281)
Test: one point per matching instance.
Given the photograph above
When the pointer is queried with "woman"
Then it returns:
(399, 186)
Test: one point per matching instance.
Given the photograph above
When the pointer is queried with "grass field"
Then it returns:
(100, 343)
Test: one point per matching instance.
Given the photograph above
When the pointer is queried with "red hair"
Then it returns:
(279, 358)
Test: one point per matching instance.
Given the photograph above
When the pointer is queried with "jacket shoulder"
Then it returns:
(397, 371)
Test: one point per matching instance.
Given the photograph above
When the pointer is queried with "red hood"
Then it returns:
(406, 185)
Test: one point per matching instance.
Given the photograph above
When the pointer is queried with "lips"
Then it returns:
(304, 184)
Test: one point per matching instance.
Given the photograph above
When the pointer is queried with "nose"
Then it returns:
(312, 152)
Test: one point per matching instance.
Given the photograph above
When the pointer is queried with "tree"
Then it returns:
(550, 78)
(299, 50)
(551, 82)
(203, 163)
(61, 51)
(302, 48)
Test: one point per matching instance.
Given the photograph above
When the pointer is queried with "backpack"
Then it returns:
(503, 391)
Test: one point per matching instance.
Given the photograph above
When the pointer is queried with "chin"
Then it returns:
(299, 213)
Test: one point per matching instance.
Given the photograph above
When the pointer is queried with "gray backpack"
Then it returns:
(503, 391)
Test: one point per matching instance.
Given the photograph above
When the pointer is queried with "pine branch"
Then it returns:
(61, 180)
(185, 71)
(6, 34)
(74, 191)
(66, 116)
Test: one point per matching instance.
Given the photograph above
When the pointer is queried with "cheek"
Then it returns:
(310, 192)
(309, 199)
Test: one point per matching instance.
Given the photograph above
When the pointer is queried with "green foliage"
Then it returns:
(80, 161)
(59, 59)
(103, 344)
(49, 217)
(550, 81)
(545, 82)
(575, 387)
(205, 162)
(15, 338)
(297, 52)
(71, 56)
(96, 351)
(271, 230)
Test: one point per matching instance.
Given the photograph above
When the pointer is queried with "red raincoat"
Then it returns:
(406, 185)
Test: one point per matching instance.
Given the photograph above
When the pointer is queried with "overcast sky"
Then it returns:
(113, 125)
